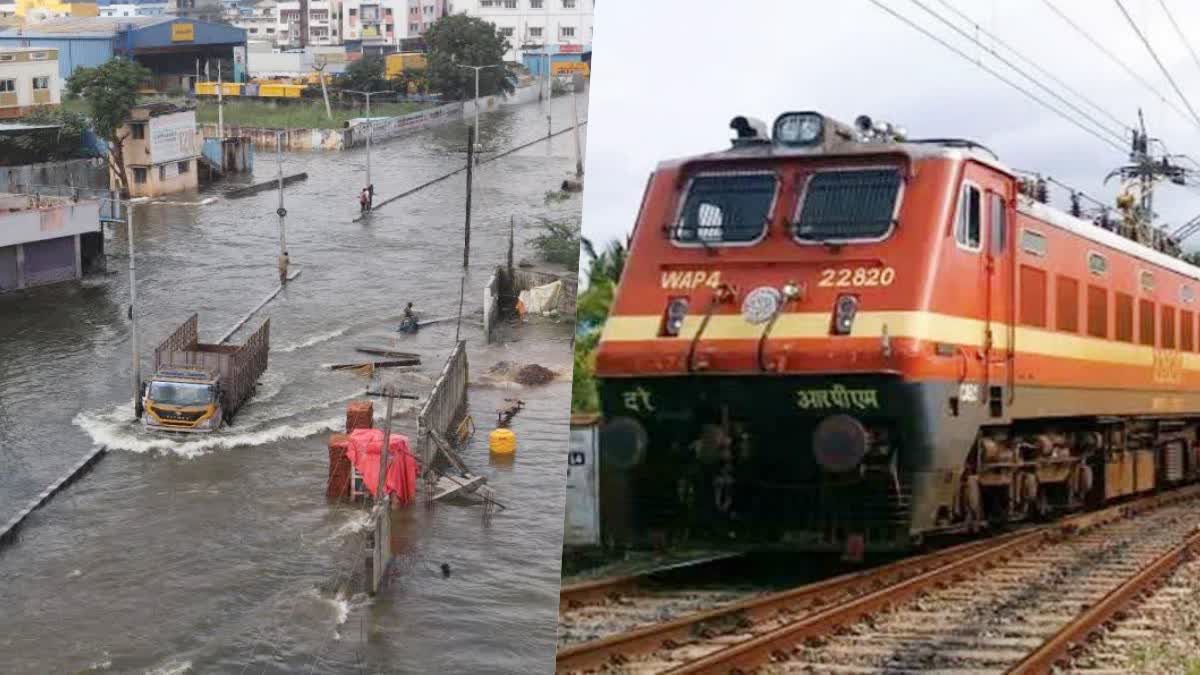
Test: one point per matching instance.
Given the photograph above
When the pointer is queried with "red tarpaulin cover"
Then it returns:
(363, 453)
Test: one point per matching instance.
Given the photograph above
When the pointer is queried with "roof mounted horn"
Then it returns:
(750, 131)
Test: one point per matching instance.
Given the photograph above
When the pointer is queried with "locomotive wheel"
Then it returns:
(1080, 484)
(1026, 501)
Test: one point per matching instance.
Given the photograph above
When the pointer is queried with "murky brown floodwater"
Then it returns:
(211, 554)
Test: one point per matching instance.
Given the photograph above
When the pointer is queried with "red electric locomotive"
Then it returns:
(829, 337)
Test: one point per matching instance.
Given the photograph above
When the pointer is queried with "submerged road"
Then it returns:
(216, 553)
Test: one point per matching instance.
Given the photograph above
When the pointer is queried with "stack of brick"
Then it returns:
(359, 415)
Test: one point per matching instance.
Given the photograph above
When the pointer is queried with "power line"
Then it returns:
(1118, 61)
(1125, 127)
(1158, 61)
(1179, 32)
(998, 76)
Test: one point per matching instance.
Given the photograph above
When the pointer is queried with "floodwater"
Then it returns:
(217, 553)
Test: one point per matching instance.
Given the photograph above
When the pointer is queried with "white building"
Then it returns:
(374, 22)
(324, 25)
(261, 23)
(131, 9)
(201, 10)
(28, 80)
(535, 22)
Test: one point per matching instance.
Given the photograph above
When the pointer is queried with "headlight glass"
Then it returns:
(676, 312)
(798, 129)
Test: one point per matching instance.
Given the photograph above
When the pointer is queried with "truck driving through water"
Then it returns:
(196, 387)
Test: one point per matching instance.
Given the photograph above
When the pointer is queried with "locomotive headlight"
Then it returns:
(843, 314)
(676, 312)
(798, 129)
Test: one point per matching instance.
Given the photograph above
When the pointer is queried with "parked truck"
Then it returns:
(197, 387)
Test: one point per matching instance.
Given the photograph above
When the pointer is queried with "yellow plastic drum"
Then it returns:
(502, 442)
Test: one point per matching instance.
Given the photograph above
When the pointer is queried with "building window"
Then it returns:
(162, 172)
(568, 4)
(1097, 312)
(139, 175)
(139, 131)
(412, 28)
(39, 56)
(185, 167)
(535, 31)
(535, 4)
(510, 4)
(7, 86)
(7, 57)
(507, 31)
(567, 31)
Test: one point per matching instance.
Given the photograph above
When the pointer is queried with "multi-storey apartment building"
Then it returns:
(324, 24)
(29, 79)
(123, 9)
(533, 23)
(200, 10)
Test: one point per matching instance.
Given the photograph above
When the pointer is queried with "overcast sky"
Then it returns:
(668, 75)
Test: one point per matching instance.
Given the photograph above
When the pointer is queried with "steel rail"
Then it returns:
(775, 644)
(1058, 647)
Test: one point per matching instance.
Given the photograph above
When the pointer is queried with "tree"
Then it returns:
(366, 74)
(459, 40)
(111, 90)
(592, 308)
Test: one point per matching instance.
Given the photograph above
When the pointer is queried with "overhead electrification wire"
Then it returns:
(1033, 64)
(1002, 78)
(1157, 60)
(1182, 38)
(1146, 83)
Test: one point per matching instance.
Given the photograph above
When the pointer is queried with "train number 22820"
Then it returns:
(858, 276)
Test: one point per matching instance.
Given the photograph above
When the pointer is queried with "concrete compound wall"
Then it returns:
(523, 280)
(446, 402)
(90, 173)
(381, 127)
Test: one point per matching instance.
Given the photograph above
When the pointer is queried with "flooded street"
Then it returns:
(214, 554)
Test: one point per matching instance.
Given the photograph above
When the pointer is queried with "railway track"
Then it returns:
(1018, 601)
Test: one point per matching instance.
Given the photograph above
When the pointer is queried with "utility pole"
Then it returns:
(370, 129)
(220, 104)
(281, 212)
(549, 95)
(324, 91)
(477, 69)
(137, 359)
(382, 511)
(470, 164)
(575, 129)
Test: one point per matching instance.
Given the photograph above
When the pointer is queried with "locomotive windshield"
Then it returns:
(853, 204)
(726, 208)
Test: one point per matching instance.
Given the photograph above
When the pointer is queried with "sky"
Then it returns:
(668, 75)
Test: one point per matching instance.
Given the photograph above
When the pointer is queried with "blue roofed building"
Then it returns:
(171, 47)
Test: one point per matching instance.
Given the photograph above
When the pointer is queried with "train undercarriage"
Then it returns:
(720, 467)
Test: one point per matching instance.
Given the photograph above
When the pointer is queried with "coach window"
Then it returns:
(1066, 304)
(1168, 327)
(1124, 317)
(1033, 243)
(970, 217)
(999, 226)
(1146, 322)
(1186, 328)
(726, 208)
(1097, 311)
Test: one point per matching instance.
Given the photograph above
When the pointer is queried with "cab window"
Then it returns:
(726, 208)
(969, 225)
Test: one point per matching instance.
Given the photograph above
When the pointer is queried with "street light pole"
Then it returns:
(281, 212)
(370, 128)
(137, 360)
(477, 69)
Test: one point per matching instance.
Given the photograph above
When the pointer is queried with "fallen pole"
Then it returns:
(267, 185)
(398, 363)
(8, 531)
(439, 179)
(254, 311)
